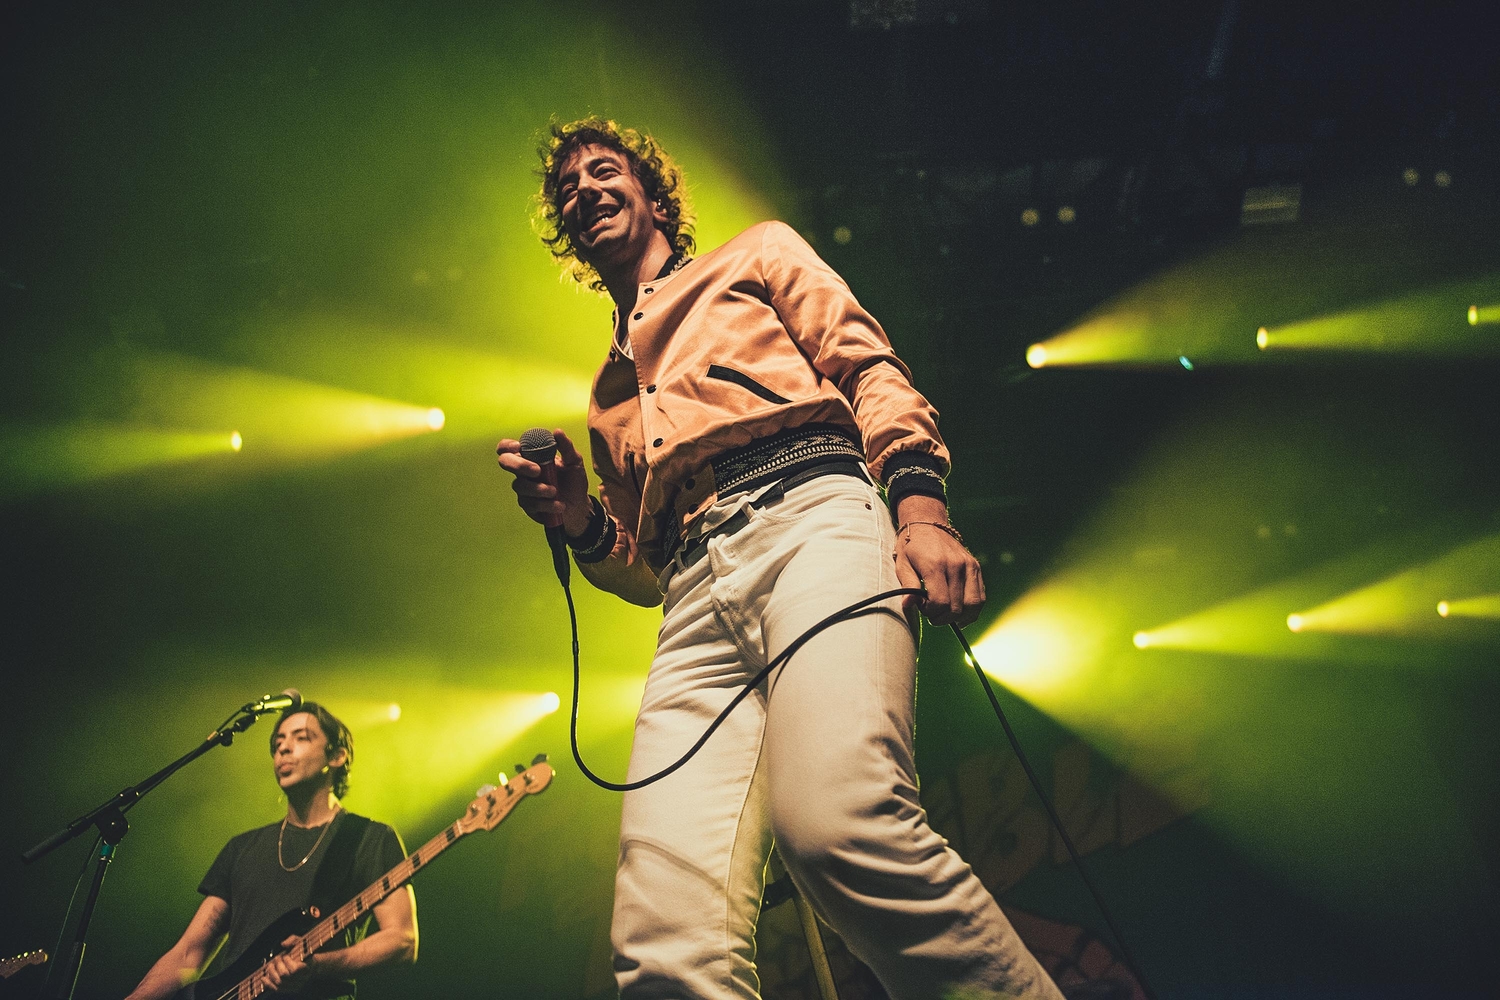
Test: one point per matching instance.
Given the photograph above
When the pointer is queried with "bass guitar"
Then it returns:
(245, 979)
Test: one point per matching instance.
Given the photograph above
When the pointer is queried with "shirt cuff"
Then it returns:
(598, 539)
(913, 472)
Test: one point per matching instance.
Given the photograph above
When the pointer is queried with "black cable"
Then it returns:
(851, 611)
(1083, 872)
(844, 614)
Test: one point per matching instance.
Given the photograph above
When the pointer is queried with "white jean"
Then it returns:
(823, 764)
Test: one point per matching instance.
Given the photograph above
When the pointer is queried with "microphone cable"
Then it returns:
(855, 610)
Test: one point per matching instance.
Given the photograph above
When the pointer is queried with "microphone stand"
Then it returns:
(109, 817)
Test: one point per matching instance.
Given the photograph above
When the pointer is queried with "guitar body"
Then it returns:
(265, 947)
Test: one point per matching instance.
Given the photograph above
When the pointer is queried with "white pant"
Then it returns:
(823, 764)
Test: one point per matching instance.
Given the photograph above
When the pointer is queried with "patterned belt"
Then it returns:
(781, 455)
(788, 460)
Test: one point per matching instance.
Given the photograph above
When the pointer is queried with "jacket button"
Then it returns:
(651, 388)
(648, 291)
(638, 315)
(689, 484)
(656, 443)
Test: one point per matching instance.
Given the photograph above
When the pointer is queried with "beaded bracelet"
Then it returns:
(950, 529)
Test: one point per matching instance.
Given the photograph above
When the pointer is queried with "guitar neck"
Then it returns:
(354, 911)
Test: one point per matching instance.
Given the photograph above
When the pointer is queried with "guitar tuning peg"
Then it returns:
(540, 758)
(484, 790)
(503, 779)
(520, 768)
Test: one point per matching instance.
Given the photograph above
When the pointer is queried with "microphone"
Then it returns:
(287, 701)
(539, 446)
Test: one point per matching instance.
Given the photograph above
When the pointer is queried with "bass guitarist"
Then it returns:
(319, 855)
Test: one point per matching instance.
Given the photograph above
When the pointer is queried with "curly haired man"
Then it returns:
(744, 414)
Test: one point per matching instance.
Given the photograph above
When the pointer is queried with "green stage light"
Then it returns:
(1200, 308)
(288, 418)
(483, 394)
(1044, 645)
(436, 743)
(1402, 603)
(1482, 606)
(39, 459)
(1418, 322)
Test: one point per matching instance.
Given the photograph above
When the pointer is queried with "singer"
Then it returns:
(746, 411)
(319, 853)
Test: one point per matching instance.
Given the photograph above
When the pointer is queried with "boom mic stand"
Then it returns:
(109, 817)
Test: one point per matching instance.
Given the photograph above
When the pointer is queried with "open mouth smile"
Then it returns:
(599, 216)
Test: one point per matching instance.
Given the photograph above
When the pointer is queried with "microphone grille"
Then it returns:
(538, 445)
(296, 697)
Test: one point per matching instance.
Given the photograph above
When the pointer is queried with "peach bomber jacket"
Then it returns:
(767, 308)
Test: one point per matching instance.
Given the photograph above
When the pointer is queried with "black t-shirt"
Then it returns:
(248, 875)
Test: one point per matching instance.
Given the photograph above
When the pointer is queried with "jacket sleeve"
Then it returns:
(847, 346)
(607, 555)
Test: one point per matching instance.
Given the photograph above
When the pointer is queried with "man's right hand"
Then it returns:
(539, 500)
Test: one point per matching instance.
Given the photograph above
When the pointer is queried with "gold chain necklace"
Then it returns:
(328, 826)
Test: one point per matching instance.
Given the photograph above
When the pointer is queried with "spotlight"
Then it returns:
(1410, 177)
(1262, 338)
(1140, 640)
(1036, 355)
(1182, 359)
(842, 235)
(1294, 622)
(1481, 606)
(1442, 179)
(436, 419)
(1066, 214)
(550, 702)
(236, 442)
(1484, 314)
(1030, 217)
(394, 712)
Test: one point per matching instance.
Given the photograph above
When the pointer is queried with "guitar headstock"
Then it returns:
(10, 966)
(496, 801)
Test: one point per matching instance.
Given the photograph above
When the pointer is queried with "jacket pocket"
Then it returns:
(745, 381)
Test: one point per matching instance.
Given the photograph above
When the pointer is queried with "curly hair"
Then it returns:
(659, 176)
(337, 734)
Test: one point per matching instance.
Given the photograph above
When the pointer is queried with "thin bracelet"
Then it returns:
(950, 529)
